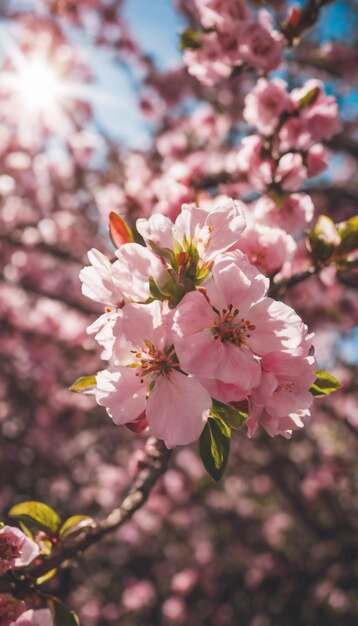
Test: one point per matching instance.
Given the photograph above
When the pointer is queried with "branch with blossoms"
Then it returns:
(197, 349)
(196, 341)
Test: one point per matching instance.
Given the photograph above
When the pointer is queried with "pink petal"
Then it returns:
(136, 324)
(192, 315)
(278, 327)
(158, 229)
(121, 393)
(40, 617)
(177, 409)
(235, 281)
(135, 265)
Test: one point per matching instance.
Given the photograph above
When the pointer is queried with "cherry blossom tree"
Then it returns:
(202, 457)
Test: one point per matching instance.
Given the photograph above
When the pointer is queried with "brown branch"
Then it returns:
(153, 467)
(277, 290)
(41, 246)
(35, 290)
(302, 20)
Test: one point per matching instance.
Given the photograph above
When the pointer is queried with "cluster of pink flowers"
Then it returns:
(232, 36)
(287, 151)
(18, 551)
(189, 320)
(14, 613)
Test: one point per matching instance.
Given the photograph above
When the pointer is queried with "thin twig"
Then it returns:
(279, 289)
(152, 468)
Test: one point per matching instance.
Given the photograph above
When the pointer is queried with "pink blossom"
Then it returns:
(146, 376)
(208, 63)
(100, 282)
(16, 550)
(267, 248)
(174, 610)
(102, 329)
(321, 116)
(294, 135)
(293, 214)
(10, 609)
(282, 398)
(219, 15)
(221, 334)
(265, 104)
(250, 161)
(40, 617)
(127, 278)
(138, 594)
(317, 159)
(259, 44)
(184, 581)
(209, 232)
(291, 172)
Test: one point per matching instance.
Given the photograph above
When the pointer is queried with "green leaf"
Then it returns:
(190, 38)
(237, 414)
(37, 514)
(166, 253)
(43, 579)
(154, 290)
(75, 524)
(63, 615)
(27, 531)
(309, 97)
(324, 239)
(324, 384)
(84, 384)
(214, 446)
(349, 236)
(234, 414)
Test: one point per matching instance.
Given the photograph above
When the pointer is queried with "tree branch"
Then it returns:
(153, 467)
(277, 290)
(302, 20)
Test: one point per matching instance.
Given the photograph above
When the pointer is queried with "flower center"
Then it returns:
(285, 387)
(10, 549)
(150, 360)
(227, 326)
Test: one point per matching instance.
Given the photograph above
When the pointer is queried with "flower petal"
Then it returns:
(121, 393)
(177, 409)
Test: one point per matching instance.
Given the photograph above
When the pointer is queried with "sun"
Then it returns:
(37, 85)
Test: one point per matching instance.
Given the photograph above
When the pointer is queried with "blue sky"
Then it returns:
(157, 26)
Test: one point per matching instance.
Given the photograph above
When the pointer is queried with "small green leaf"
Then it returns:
(43, 579)
(155, 291)
(165, 253)
(63, 615)
(37, 514)
(75, 524)
(237, 414)
(84, 384)
(214, 446)
(324, 384)
(27, 531)
(324, 239)
(190, 38)
(309, 97)
(349, 236)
